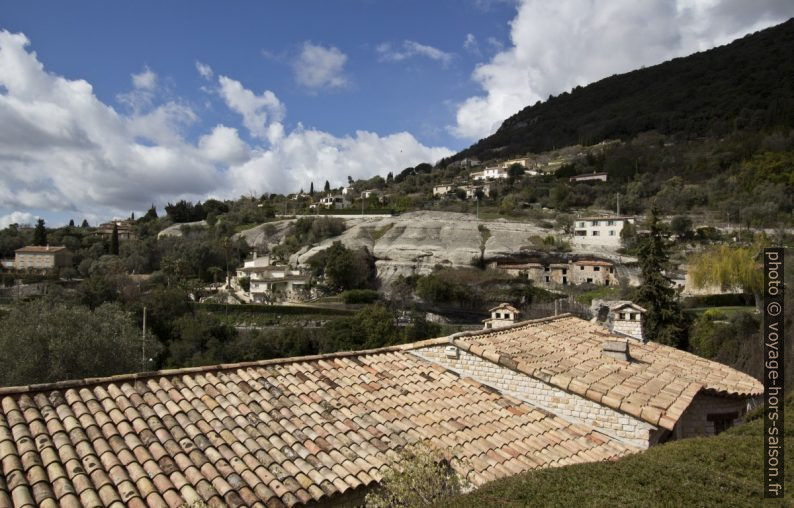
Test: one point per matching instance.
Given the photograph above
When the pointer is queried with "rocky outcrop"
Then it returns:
(416, 242)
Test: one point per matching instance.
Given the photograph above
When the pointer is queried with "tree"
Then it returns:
(150, 215)
(681, 225)
(327, 187)
(40, 233)
(664, 321)
(114, 240)
(42, 341)
(311, 189)
(71, 223)
(729, 267)
(84, 224)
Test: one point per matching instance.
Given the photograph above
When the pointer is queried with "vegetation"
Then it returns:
(724, 470)
(729, 267)
(665, 321)
(420, 477)
(52, 341)
(748, 84)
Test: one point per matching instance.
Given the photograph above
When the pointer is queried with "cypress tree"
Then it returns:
(40, 233)
(71, 223)
(114, 240)
(84, 224)
(311, 189)
(665, 321)
(327, 186)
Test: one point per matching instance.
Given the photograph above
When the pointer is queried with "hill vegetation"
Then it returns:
(745, 85)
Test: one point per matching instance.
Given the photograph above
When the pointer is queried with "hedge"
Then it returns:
(272, 309)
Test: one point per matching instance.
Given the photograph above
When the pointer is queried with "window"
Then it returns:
(595, 233)
(547, 278)
(611, 270)
(622, 316)
(581, 224)
(545, 268)
(722, 421)
(565, 280)
(581, 267)
(564, 271)
(611, 232)
(589, 280)
(595, 223)
(610, 223)
(596, 268)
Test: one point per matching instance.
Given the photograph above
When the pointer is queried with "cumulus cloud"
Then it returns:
(223, 145)
(17, 218)
(145, 80)
(387, 52)
(471, 45)
(262, 114)
(319, 67)
(204, 69)
(62, 149)
(558, 45)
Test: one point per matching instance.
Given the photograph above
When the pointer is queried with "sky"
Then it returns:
(108, 107)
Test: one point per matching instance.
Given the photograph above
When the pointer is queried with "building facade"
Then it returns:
(42, 258)
(600, 230)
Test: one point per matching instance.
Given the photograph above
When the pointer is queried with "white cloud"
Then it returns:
(17, 218)
(319, 67)
(223, 145)
(471, 45)
(62, 149)
(558, 45)
(408, 49)
(257, 110)
(145, 80)
(204, 69)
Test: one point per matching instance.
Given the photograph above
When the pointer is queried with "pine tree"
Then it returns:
(665, 321)
(151, 214)
(114, 240)
(40, 233)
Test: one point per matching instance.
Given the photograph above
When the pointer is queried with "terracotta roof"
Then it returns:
(565, 351)
(505, 306)
(41, 249)
(270, 433)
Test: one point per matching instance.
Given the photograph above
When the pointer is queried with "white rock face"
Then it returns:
(415, 242)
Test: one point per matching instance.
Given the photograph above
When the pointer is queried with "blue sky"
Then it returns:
(107, 107)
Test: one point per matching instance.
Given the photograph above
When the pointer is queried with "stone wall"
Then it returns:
(696, 422)
(566, 405)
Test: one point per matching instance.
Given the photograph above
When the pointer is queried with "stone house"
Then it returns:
(581, 271)
(42, 258)
(443, 189)
(335, 202)
(638, 393)
(124, 229)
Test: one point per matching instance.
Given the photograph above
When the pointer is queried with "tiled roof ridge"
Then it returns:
(138, 376)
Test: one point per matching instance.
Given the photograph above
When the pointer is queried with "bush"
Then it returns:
(352, 296)
(420, 477)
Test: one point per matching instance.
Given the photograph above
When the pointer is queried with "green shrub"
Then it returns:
(352, 296)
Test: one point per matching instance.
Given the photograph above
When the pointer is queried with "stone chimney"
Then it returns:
(502, 315)
(620, 316)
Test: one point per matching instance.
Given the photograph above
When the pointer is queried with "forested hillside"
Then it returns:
(745, 85)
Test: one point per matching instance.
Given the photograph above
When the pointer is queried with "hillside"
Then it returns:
(725, 470)
(745, 85)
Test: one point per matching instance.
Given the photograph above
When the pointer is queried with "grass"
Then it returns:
(729, 311)
(725, 470)
(606, 292)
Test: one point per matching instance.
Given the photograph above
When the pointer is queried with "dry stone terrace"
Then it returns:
(273, 433)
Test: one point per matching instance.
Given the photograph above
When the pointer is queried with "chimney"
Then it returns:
(617, 349)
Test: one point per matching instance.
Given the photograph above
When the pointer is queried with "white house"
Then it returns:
(589, 177)
(371, 192)
(521, 162)
(348, 191)
(335, 202)
(491, 173)
(471, 190)
(502, 315)
(600, 230)
(442, 189)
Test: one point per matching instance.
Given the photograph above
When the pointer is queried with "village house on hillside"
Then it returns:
(124, 229)
(589, 177)
(490, 173)
(270, 283)
(600, 230)
(324, 429)
(575, 272)
(42, 258)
